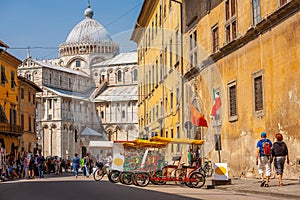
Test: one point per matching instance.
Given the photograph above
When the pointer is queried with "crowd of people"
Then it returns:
(27, 165)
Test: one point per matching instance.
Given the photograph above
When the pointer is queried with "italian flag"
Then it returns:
(217, 104)
(197, 118)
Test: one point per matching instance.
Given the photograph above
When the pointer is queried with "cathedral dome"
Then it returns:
(88, 31)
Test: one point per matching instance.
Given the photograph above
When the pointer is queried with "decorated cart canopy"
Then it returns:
(144, 155)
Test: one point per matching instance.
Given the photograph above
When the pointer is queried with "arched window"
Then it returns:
(119, 76)
(135, 75)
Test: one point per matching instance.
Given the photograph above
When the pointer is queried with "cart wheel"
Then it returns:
(156, 178)
(196, 180)
(98, 174)
(114, 176)
(126, 178)
(141, 179)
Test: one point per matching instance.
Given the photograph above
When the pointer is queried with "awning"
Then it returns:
(101, 144)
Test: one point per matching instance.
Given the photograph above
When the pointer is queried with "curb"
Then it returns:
(270, 194)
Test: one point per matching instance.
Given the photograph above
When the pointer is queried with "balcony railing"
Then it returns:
(11, 129)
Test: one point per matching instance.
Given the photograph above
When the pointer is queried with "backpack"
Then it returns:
(279, 149)
(266, 148)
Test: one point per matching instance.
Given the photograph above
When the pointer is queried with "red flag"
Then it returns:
(197, 118)
(217, 104)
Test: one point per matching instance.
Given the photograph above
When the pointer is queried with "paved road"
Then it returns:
(69, 188)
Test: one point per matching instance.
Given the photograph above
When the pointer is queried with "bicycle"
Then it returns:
(101, 170)
(207, 169)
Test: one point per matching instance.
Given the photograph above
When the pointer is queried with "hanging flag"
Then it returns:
(197, 118)
(216, 105)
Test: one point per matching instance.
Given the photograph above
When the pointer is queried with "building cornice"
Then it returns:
(253, 33)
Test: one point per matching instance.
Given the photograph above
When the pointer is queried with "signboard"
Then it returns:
(221, 171)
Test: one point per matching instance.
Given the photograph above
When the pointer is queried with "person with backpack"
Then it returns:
(263, 158)
(280, 153)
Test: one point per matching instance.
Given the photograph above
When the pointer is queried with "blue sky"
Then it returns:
(47, 23)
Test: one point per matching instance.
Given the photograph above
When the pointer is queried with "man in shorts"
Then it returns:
(263, 160)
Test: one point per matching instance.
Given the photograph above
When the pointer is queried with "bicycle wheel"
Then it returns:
(209, 170)
(141, 179)
(114, 176)
(126, 178)
(196, 180)
(157, 177)
(98, 174)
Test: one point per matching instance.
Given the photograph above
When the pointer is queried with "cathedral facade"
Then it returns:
(89, 92)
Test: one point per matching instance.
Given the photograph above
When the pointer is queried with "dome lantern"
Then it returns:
(88, 13)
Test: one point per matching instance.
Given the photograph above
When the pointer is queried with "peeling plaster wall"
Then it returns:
(276, 55)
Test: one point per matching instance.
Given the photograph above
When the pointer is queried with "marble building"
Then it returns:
(89, 91)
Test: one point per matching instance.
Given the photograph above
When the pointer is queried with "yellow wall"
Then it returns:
(151, 95)
(275, 54)
(8, 96)
(27, 109)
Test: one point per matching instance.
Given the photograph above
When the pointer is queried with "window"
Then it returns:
(13, 115)
(102, 114)
(135, 75)
(171, 52)
(50, 78)
(193, 49)
(78, 63)
(178, 136)
(282, 2)
(28, 76)
(13, 83)
(33, 99)
(70, 83)
(255, 11)
(29, 96)
(22, 93)
(177, 45)
(232, 101)
(3, 76)
(231, 22)
(60, 80)
(75, 136)
(22, 121)
(119, 76)
(50, 104)
(161, 66)
(258, 94)
(215, 38)
(156, 72)
(171, 101)
(29, 124)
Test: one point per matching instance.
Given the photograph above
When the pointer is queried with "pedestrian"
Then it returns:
(189, 156)
(263, 159)
(76, 163)
(40, 162)
(82, 166)
(198, 158)
(280, 153)
(30, 160)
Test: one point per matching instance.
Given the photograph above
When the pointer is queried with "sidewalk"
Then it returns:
(289, 190)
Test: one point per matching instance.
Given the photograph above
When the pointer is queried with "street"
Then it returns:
(69, 188)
